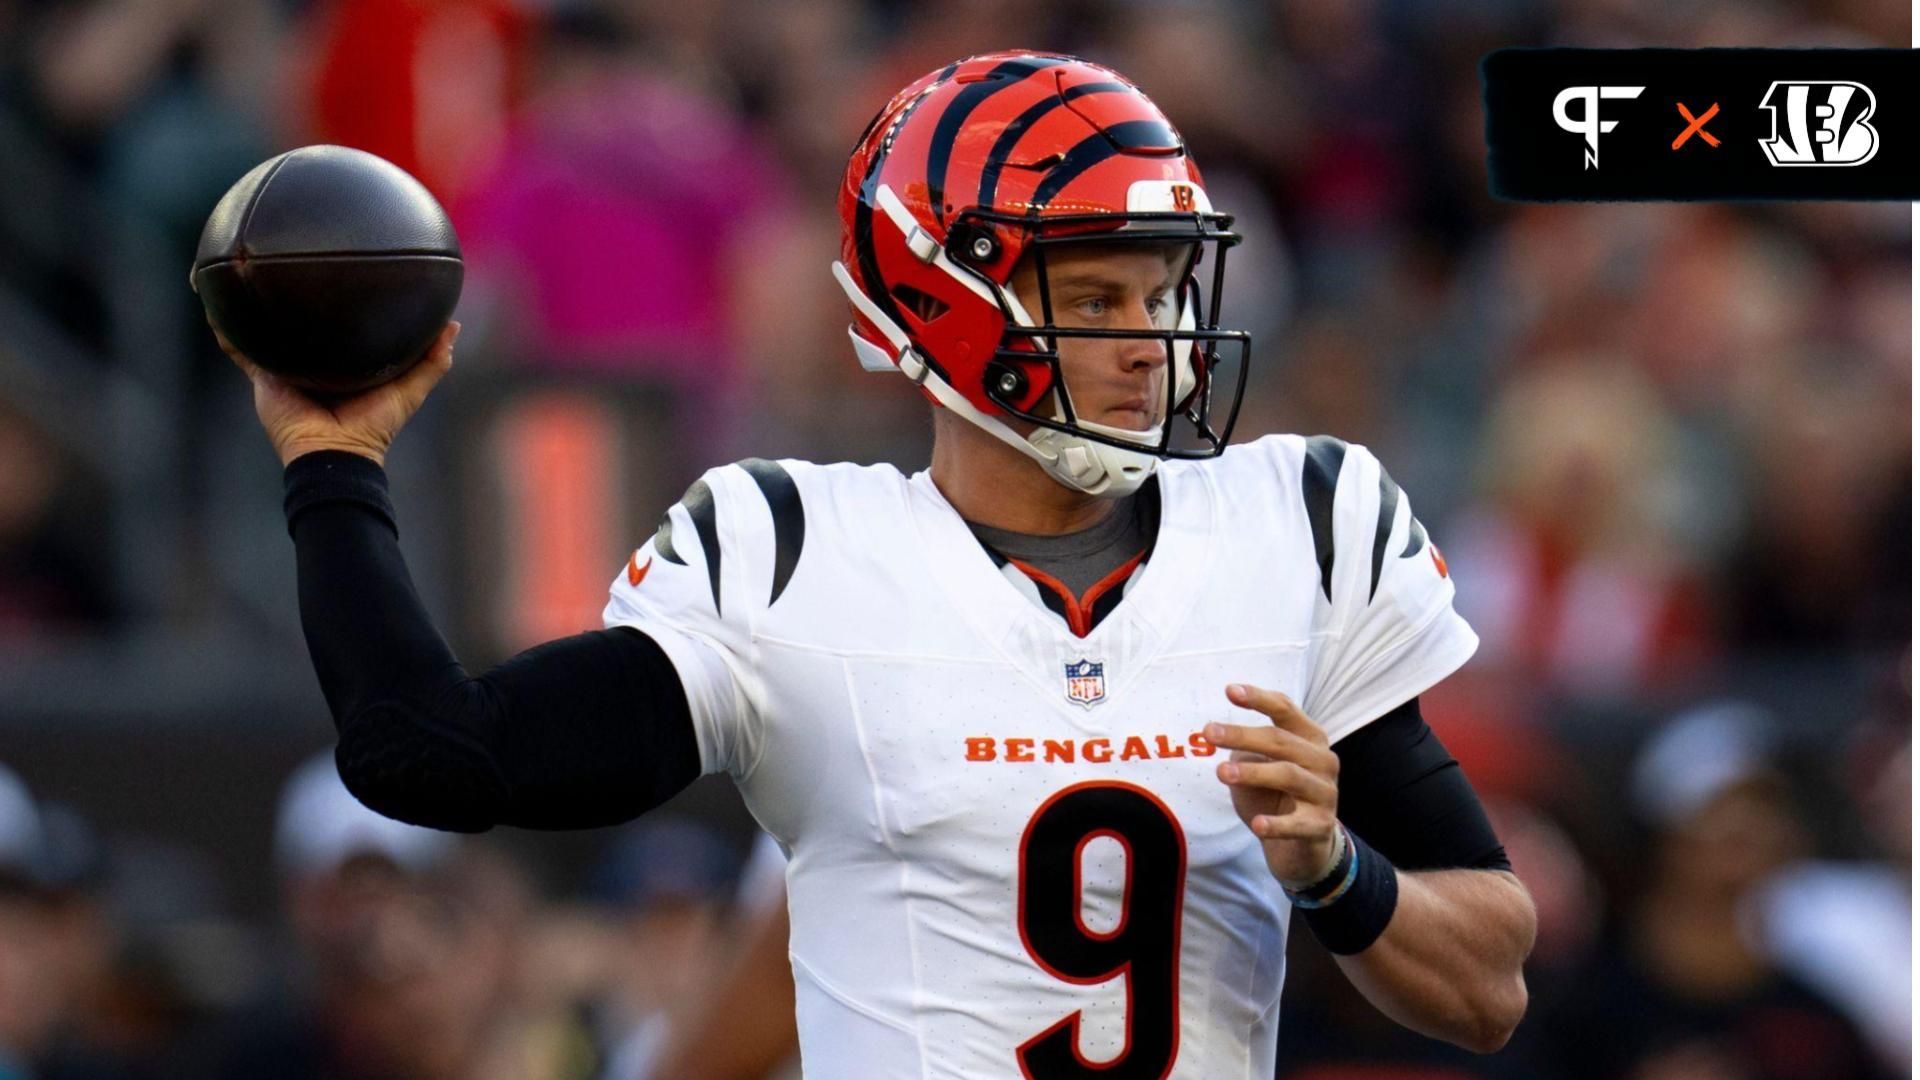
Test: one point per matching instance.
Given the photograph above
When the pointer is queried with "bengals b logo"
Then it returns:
(1183, 198)
(1820, 123)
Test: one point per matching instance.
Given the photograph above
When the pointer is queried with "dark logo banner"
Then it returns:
(1604, 124)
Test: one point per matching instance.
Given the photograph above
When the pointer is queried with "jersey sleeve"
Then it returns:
(683, 588)
(1385, 627)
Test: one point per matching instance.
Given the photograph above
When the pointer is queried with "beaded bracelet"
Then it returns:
(1337, 880)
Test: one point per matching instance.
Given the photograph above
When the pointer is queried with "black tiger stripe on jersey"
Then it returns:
(789, 518)
(940, 150)
(1389, 505)
(699, 503)
(1416, 538)
(663, 541)
(1319, 476)
(1009, 140)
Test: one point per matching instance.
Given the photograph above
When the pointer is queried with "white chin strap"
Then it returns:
(1093, 467)
(1080, 464)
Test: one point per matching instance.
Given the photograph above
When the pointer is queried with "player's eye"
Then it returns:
(1094, 306)
(1164, 309)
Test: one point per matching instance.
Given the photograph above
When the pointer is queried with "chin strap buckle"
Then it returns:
(912, 366)
(1080, 464)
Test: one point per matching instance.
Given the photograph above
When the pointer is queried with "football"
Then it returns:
(330, 267)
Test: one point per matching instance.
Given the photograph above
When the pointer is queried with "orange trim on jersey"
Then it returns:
(1080, 609)
(1120, 574)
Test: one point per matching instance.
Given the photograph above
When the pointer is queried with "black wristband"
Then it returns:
(336, 476)
(1354, 916)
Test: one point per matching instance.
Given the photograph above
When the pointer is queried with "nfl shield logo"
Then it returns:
(1086, 683)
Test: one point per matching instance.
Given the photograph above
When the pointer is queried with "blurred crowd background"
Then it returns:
(1665, 447)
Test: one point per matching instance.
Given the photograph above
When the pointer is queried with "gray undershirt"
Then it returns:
(1078, 559)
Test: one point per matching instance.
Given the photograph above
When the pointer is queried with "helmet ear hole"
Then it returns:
(924, 305)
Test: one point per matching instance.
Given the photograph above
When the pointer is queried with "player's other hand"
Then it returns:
(1285, 783)
(365, 423)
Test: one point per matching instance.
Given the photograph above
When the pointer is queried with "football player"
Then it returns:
(1058, 733)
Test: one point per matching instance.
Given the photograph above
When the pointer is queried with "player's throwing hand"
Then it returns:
(365, 423)
(1285, 783)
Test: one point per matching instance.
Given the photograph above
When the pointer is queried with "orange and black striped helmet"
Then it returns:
(987, 162)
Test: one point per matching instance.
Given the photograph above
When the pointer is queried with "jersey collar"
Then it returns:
(1032, 639)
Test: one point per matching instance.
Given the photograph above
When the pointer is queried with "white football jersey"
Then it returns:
(1008, 852)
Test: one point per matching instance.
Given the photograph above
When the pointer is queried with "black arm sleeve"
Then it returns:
(587, 730)
(1403, 794)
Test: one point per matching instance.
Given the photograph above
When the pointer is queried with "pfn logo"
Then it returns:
(1590, 125)
(1826, 124)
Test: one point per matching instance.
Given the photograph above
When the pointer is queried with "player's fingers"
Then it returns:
(1272, 742)
(449, 334)
(1257, 740)
(1250, 803)
(439, 355)
(421, 378)
(248, 367)
(1284, 776)
(1301, 824)
(279, 403)
(1279, 708)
